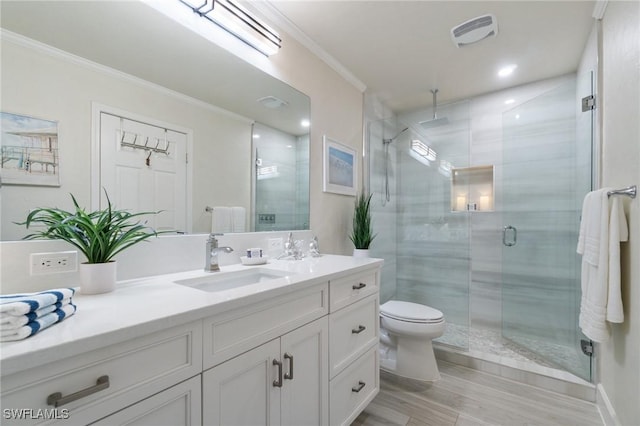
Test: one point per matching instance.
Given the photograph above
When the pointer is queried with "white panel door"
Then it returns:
(139, 179)
(305, 393)
(241, 391)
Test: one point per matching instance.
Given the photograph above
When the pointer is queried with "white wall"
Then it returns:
(336, 111)
(619, 360)
(39, 82)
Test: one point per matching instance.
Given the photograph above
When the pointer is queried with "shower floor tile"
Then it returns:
(486, 343)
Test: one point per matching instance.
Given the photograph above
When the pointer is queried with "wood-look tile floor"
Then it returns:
(466, 397)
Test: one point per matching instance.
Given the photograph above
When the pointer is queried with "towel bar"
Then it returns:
(629, 191)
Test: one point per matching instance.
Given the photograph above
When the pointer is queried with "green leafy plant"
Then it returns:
(361, 235)
(99, 235)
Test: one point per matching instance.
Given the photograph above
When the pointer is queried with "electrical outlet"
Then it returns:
(275, 244)
(54, 262)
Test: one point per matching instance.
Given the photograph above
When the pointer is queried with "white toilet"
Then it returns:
(406, 331)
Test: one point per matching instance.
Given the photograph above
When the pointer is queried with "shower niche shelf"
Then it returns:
(472, 189)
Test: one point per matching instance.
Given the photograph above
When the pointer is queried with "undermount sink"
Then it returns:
(220, 281)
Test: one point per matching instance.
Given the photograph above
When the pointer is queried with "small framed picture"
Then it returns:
(29, 151)
(340, 168)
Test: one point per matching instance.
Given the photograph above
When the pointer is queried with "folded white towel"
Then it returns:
(38, 325)
(10, 322)
(601, 300)
(20, 304)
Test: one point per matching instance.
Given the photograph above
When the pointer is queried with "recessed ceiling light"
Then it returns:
(256, 136)
(305, 123)
(509, 101)
(507, 71)
(517, 116)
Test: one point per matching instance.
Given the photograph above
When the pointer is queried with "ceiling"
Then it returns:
(132, 37)
(402, 49)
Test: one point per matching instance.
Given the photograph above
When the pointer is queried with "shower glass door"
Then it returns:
(546, 172)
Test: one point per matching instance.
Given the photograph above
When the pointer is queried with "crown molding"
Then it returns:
(270, 12)
(20, 40)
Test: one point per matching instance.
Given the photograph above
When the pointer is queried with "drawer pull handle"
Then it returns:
(358, 330)
(358, 388)
(278, 382)
(359, 286)
(56, 399)
(289, 375)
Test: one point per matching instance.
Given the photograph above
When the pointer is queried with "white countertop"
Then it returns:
(146, 305)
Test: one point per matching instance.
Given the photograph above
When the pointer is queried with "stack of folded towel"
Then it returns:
(23, 315)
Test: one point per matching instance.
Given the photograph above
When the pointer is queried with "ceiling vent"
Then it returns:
(474, 30)
(272, 102)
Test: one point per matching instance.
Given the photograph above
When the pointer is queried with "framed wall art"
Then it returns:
(29, 151)
(340, 168)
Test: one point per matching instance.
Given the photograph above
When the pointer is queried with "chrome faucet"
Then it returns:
(211, 254)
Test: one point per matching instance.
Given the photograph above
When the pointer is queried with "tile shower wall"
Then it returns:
(284, 158)
(453, 260)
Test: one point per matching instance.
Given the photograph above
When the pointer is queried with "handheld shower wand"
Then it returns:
(385, 143)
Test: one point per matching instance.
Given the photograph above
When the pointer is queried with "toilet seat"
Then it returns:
(411, 312)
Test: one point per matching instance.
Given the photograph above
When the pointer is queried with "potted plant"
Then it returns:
(99, 235)
(361, 235)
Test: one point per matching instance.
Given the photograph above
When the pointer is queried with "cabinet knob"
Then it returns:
(358, 388)
(358, 330)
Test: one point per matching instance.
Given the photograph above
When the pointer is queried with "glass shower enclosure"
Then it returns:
(484, 226)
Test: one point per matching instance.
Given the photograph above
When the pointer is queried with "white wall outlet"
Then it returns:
(54, 262)
(275, 244)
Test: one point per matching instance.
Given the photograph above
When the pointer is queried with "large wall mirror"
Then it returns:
(246, 134)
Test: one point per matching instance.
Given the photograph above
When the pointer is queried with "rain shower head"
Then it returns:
(388, 141)
(435, 121)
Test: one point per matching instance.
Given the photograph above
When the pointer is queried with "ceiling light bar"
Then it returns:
(235, 19)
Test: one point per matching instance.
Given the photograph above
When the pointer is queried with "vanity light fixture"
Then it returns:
(422, 149)
(235, 19)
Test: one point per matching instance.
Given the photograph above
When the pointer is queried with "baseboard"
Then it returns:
(607, 412)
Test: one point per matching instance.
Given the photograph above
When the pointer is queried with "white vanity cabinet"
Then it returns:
(85, 388)
(302, 352)
(354, 332)
(283, 381)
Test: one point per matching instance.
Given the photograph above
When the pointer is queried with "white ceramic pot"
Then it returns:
(96, 278)
(360, 252)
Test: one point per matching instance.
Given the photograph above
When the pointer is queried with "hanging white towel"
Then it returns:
(238, 215)
(601, 297)
(221, 219)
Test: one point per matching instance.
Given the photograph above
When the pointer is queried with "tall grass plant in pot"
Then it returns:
(99, 235)
(362, 234)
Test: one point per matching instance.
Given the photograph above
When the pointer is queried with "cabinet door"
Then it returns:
(305, 393)
(241, 391)
(177, 406)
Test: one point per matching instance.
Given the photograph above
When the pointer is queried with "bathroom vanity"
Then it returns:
(290, 342)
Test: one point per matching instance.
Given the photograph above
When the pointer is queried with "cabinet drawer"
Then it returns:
(176, 406)
(353, 389)
(352, 331)
(344, 291)
(136, 369)
(232, 333)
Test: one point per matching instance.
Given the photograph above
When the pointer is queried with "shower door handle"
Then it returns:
(514, 236)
